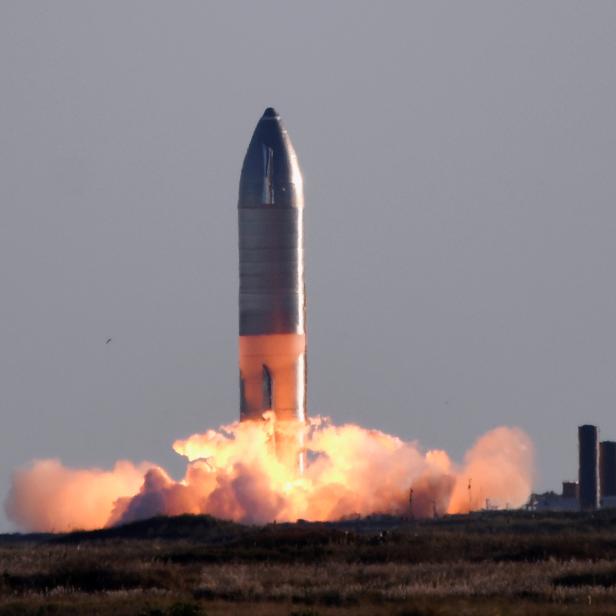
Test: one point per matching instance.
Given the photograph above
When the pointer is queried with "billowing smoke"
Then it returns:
(234, 473)
(47, 496)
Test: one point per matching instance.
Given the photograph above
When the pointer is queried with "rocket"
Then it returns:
(272, 296)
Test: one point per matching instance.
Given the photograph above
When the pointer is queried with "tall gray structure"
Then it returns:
(588, 442)
(607, 472)
(272, 298)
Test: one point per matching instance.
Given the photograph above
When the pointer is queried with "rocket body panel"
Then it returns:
(272, 302)
(272, 369)
(271, 271)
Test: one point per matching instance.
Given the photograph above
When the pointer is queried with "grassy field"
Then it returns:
(496, 563)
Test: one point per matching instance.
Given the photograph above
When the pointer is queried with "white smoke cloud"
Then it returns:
(234, 473)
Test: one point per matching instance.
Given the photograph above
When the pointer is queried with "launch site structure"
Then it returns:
(588, 445)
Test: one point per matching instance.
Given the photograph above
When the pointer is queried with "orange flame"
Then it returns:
(234, 473)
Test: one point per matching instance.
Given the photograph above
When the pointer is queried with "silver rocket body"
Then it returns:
(272, 298)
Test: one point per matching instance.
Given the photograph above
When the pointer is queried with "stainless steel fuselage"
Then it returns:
(272, 299)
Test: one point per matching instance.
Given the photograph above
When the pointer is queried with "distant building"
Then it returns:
(550, 501)
(607, 473)
(570, 490)
(596, 485)
(588, 443)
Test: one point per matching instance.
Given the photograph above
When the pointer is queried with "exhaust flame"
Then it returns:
(234, 473)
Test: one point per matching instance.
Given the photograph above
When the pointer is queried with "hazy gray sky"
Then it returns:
(461, 218)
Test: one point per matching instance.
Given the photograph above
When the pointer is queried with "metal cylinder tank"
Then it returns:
(588, 442)
(272, 298)
(607, 470)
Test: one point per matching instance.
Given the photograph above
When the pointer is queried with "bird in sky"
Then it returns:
(108, 341)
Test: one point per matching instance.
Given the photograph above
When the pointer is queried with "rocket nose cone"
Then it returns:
(270, 112)
(270, 173)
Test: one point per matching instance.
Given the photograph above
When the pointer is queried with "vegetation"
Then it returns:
(504, 563)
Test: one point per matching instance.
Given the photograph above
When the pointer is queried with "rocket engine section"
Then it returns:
(272, 299)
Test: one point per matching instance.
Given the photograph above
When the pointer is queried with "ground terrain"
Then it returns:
(493, 563)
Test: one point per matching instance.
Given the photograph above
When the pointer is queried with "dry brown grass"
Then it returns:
(297, 571)
(345, 584)
(70, 581)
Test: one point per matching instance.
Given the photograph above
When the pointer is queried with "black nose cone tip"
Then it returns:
(270, 113)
